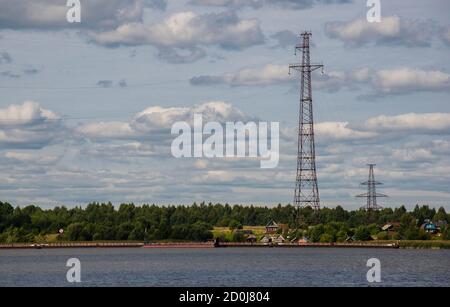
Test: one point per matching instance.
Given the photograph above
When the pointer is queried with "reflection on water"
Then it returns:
(225, 267)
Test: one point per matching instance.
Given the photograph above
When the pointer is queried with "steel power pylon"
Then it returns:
(372, 194)
(306, 187)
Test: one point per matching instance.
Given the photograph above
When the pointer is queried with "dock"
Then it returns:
(72, 245)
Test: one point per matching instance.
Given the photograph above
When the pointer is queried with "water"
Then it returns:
(225, 267)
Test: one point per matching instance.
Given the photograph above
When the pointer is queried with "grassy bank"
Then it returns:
(431, 244)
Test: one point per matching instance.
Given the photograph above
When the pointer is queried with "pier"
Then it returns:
(72, 245)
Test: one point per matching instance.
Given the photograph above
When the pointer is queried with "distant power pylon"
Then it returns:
(306, 187)
(372, 194)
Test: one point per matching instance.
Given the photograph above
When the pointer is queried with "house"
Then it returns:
(303, 240)
(272, 227)
(430, 227)
(266, 240)
(251, 239)
(391, 227)
(279, 240)
(387, 227)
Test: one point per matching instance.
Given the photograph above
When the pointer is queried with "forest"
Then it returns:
(129, 222)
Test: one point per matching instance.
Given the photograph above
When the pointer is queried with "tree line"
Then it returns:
(104, 222)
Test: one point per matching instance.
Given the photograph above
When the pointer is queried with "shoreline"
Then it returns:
(192, 245)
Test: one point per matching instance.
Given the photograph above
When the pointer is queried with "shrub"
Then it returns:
(238, 236)
(383, 235)
(235, 225)
(362, 233)
(326, 238)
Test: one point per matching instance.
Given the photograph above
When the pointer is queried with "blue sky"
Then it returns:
(86, 109)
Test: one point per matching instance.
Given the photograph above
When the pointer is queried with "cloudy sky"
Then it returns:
(86, 109)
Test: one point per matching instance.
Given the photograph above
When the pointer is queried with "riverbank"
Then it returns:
(72, 245)
(161, 245)
(424, 244)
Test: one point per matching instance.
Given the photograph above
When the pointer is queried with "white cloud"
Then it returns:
(28, 126)
(378, 129)
(187, 30)
(404, 80)
(229, 3)
(392, 30)
(51, 14)
(412, 155)
(256, 4)
(30, 157)
(156, 122)
(267, 75)
(341, 131)
(420, 123)
(381, 82)
(28, 113)
(116, 130)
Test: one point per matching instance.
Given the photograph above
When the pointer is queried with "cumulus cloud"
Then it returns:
(411, 122)
(187, 30)
(229, 3)
(379, 129)
(412, 155)
(28, 126)
(115, 163)
(256, 4)
(106, 130)
(156, 122)
(51, 14)
(334, 81)
(392, 30)
(394, 81)
(267, 75)
(275, 74)
(341, 131)
(403, 80)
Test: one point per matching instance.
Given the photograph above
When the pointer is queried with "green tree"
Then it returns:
(362, 233)
(74, 231)
(234, 224)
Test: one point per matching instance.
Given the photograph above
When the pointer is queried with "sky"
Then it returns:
(86, 109)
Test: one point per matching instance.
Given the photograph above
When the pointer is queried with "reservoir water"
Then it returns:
(231, 267)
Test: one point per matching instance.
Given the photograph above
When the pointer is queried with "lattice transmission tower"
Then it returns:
(372, 194)
(306, 187)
